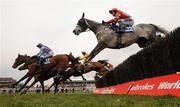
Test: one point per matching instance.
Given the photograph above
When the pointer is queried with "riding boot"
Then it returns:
(40, 68)
(121, 28)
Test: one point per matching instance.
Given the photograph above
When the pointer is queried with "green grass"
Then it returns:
(86, 100)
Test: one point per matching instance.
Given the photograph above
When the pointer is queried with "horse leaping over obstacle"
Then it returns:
(144, 35)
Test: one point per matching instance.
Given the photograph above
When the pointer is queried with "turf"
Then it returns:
(86, 100)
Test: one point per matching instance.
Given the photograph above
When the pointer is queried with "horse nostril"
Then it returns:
(74, 31)
(13, 66)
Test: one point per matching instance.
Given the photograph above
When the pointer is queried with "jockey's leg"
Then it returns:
(127, 24)
(124, 23)
(40, 60)
(121, 25)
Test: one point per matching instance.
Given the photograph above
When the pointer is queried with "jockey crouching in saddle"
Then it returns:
(84, 56)
(121, 23)
(78, 60)
(107, 65)
(82, 59)
(44, 53)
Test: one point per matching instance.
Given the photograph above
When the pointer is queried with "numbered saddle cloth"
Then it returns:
(46, 61)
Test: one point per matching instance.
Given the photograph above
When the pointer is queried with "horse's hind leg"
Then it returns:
(24, 77)
(25, 83)
(83, 78)
(58, 81)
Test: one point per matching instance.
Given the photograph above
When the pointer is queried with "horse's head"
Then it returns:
(19, 60)
(23, 67)
(81, 26)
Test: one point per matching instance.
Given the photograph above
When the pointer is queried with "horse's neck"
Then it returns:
(29, 60)
(88, 68)
(95, 26)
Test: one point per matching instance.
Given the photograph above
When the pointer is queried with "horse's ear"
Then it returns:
(25, 55)
(18, 54)
(83, 15)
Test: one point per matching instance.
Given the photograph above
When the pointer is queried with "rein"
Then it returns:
(101, 31)
(89, 26)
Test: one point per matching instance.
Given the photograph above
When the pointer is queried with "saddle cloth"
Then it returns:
(46, 61)
(128, 29)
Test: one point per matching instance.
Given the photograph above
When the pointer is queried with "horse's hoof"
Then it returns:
(47, 91)
(22, 93)
(12, 86)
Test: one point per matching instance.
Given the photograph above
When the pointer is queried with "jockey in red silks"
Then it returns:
(124, 21)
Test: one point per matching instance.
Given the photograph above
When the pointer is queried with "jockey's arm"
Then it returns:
(39, 54)
(81, 58)
(112, 20)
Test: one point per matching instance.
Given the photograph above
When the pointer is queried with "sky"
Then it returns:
(25, 23)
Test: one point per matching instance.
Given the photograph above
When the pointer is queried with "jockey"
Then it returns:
(45, 52)
(124, 21)
(84, 56)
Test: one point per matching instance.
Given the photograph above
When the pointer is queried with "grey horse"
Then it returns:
(144, 35)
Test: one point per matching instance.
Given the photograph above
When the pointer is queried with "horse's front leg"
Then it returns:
(34, 82)
(63, 79)
(24, 77)
(99, 47)
(54, 82)
(25, 83)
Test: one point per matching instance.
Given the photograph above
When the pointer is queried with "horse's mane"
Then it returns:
(175, 32)
(99, 24)
(27, 56)
(92, 21)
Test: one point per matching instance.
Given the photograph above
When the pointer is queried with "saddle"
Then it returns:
(125, 29)
(46, 61)
(42, 61)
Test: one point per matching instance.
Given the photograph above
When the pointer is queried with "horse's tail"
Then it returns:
(160, 29)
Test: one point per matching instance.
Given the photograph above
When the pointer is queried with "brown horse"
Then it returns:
(58, 64)
(79, 70)
(25, 60)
